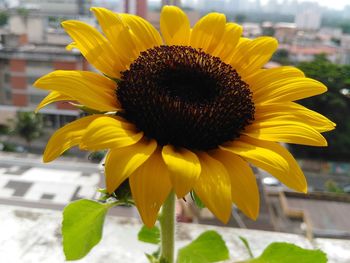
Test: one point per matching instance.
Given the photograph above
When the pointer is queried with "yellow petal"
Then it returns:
(150, 186)
(67, 137)
(264, 77)
(88, 88)
(228, 43)
(244, 189)
(122, 162)
(175, 26)
(184, 168)
(146, 35)
(264, 158)
(94, 47)
(208, 31)
(251, 55)
(285, 131)
(213, 187)
(289, 89)
(290, 111)
(272, 158)
(108, 133)
(53, 96)
(294, 177)
(118, 34)
(71, 46)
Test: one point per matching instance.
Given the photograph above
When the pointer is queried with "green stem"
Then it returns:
(167, 229)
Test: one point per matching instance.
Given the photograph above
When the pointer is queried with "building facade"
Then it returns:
(34, 45)
(20, 66)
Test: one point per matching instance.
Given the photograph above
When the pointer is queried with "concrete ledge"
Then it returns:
(31, 235)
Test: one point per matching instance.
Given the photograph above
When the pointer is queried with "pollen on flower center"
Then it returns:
(185, 97)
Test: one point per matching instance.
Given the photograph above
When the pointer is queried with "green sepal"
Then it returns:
(123, 192)
(197, 200)
(151, 258)
(86, 109)
(154, 257)
(104, 195)
(121, 196)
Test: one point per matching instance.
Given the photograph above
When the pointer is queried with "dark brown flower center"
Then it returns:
(185, 97)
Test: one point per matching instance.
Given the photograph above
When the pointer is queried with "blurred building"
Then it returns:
(3, 4)
(285, 32)
(345, 49)
(251, 30)
(329, 33)
(139, 7)
(171, 2)
(34, 45)
(213, 6)
(54, 7)
(309, 19)
(299, 53)
(21, 63)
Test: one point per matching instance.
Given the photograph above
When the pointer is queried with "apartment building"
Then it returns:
(21, 64)
(32, 45)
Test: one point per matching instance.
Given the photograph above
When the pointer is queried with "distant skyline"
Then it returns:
(336, 4)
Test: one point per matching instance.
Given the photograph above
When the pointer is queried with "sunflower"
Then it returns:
(184, 110)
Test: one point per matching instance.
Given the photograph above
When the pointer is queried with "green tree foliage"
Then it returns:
(3, 18)
(281, 56)
(29, 126)
(24, 12)
(240, 18)
(333, 104)
(345, 26)
(333, 187)
(4, 129)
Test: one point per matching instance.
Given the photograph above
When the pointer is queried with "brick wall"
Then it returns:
(18, 82)
(65, 65)
(141, 8)
(20, 100)
(17, 65)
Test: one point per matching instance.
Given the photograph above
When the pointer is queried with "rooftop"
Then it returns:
(324, 214)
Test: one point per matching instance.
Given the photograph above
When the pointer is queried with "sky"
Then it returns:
(336, 4)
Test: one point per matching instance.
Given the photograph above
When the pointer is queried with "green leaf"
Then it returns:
(82, 227)
(208, 247)
(149, 235)
(247, 246)
(288, 253)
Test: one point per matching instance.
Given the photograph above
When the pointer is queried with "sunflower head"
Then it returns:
(185, 97)
(184, 110)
